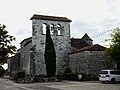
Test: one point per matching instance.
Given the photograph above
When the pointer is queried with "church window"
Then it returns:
(44, 26)
(51, 29)
(54, 29)
(59, 29)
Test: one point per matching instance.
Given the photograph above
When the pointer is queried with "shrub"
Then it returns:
(68, 75)
(89, 77)
(2, 71)
(71, 76)
(19, 74)
(39, 78)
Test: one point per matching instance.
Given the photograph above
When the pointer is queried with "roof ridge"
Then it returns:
(95, 47)
(47, 17)
(86, 37)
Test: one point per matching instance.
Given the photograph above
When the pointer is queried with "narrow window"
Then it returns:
(44, 26)
(59, 29)
(51, 29)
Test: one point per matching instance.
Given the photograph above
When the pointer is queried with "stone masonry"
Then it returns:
(80, 55)
(25, 59)
(60, 33)
(89, 62)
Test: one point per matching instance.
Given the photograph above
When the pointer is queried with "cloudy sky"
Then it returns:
(94, 17)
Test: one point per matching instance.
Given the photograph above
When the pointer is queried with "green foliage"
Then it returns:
(68, 70)
(18, 74)
(39, 78)
(89, 77)
(50, 55)
(69, 75)
(1, 71)
(114, 50)
(5, 44)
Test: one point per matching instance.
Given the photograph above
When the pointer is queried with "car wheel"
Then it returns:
(113, 80)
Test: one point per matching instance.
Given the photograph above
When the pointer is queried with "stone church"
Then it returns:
(70, 52)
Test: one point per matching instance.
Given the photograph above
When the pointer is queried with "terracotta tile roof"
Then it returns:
(78, 43)
(53, 18)
(95, 47)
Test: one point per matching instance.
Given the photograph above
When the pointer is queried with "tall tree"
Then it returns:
(114, 50)
(50, 55)
(5, 44)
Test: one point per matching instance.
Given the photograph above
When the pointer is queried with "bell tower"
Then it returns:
(60, 33)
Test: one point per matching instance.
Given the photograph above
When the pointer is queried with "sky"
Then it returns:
(95, 17)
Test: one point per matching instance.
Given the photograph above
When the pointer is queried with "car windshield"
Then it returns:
(104, 72)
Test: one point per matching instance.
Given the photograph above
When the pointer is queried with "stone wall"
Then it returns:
(61, 43)
(89, 62)
(14, 64)
(25, 53)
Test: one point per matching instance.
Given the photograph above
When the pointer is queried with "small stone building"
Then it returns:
(89, 60)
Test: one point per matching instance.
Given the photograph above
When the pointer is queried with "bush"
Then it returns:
(90, 77)
(68, 75)
(71, 76)
(2, 71)
(39, 78)
(19, 74)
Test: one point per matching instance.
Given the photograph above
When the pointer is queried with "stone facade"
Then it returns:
(60, 33)
(80, 55)
(87, 39)
(78, 43)
(14, 64)
(25, 55)
(89, 62)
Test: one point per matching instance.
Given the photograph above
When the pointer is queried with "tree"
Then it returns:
(2, 70)
(5, 44)
(50, 55)
(114, 50)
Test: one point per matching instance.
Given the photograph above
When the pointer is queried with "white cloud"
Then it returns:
(88, 16)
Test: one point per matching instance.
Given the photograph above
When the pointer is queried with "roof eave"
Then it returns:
(53, 18)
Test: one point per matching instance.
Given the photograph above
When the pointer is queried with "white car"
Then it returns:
(109, 76)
